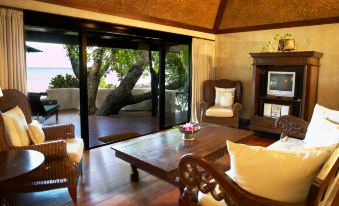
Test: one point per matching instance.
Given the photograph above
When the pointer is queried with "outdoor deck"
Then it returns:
(140, 122)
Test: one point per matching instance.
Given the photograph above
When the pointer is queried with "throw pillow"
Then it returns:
(226, 93)
(278, 175)
(35, 132)
(15, 127)
(227, 100)
(323, 129)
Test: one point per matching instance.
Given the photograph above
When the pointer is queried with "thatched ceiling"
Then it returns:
(216, 15)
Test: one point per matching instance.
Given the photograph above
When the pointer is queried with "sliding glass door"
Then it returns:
(177, 85)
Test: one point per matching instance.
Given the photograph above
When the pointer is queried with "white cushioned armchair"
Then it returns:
(63, 152)
(207, 184)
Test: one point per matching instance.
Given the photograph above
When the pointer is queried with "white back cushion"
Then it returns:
(15, 127)
(323, 129)
(278, 175)
(224, 96)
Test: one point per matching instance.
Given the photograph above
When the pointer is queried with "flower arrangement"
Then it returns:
(189, 129)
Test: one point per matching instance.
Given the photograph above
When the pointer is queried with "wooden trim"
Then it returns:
(39, 6)
(330, 20)
(83, 88)
(140, 17)
(220, 14)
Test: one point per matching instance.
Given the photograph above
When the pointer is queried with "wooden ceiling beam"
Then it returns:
(220, 14)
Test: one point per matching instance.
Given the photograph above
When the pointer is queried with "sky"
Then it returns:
(52, 56)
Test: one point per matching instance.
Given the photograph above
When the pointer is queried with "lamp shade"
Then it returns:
(1, 92)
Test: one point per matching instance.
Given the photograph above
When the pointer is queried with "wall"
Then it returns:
(233, 59)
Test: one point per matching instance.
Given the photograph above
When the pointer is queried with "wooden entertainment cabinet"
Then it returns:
(305, 64)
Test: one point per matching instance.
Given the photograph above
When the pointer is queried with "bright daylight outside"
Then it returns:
(122, 86)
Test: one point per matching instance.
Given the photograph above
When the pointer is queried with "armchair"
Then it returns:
(227, 116)
(202, 176)
(62, 151)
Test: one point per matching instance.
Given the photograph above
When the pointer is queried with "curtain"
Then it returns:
(13, 74)
(203, 54)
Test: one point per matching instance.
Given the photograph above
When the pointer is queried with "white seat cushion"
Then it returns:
(15, 127)
(208, 200)
(218, 111)
(75, 149)
(278, 175)
(323, 129)
(35, 132)
(287, 143)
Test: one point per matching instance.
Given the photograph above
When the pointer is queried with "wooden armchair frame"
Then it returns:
(199, 174)
(209, 97)
(58, 170)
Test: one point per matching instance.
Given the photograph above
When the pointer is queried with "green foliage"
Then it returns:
(66, 81)
(272, 46)
(103, 84)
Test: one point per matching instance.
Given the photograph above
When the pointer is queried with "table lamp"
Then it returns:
(1, 92)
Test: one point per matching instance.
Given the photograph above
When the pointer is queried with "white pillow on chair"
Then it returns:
(323, 129)
(278, 175)
(15, 127)
(35, 132)
(224, 97)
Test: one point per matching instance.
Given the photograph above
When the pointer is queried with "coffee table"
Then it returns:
(159, 153)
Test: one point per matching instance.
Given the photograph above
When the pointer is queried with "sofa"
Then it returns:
(205, 184)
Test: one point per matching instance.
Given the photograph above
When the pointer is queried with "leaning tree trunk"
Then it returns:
(122, 95)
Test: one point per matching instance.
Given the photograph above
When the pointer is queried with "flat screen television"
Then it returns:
(281, 83)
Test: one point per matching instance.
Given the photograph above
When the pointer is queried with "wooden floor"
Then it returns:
(140, 122)
(105, 181)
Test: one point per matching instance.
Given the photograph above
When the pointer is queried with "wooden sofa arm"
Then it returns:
(199, 174)
(51, 149)
(292, 126)
(236, 110)
(60, 131)
(203, 107)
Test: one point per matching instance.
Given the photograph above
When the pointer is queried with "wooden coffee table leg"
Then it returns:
(135, 174)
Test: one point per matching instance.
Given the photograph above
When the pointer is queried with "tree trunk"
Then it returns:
(122, 95)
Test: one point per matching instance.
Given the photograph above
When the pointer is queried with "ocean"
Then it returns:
(38, 78)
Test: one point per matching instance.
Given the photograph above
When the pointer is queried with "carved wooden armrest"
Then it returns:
(319, 187)
(199, 174)
(51, 149)
(292, 126)
(57, 132)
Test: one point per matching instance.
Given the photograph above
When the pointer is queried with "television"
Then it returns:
(281, 83)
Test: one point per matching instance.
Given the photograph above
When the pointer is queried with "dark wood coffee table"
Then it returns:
(159, 153)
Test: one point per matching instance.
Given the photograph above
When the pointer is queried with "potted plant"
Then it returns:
(285, 43)
(188, 130)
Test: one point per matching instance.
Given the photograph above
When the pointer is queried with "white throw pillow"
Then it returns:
(227, 100)
(15, 127)
(323, 129)
(278, 175)
(224, 97)
(35, 132)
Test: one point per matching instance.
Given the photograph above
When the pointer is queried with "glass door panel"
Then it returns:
(177, 81)
(119, 85)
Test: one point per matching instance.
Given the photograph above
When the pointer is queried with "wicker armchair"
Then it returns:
(58, 170)
(198, 174)
(209, 97)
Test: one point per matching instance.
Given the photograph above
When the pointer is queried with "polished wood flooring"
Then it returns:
(105, 181)
(140, 122)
